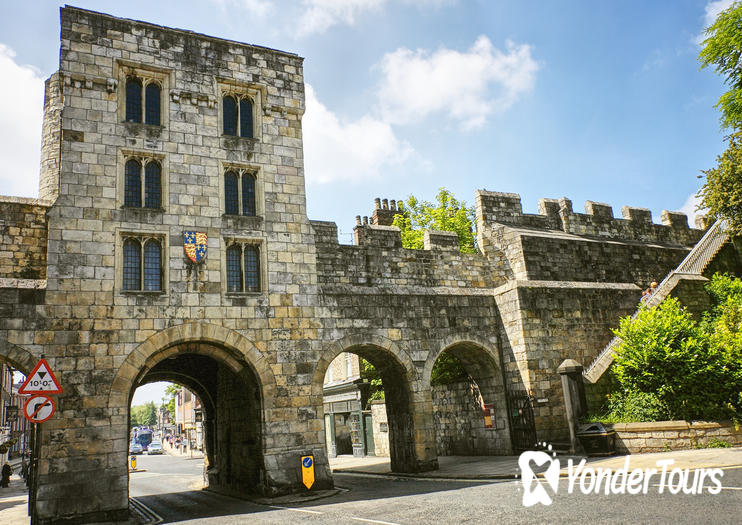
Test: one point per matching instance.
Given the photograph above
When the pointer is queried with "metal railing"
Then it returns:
(694, 264)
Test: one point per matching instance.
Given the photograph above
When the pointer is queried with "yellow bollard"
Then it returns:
(133, 462)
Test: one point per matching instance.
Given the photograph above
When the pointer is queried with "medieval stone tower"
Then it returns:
(171, 242)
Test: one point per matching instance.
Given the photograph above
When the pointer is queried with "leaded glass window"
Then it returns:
(231, 197)
(246, 117)
(132, 265)
(152, 185)
(133, 100)
(133, 184)
(234, 270)
(248, 194)
(230, 115)
(152, 266)
(152, 108)
(252, 269)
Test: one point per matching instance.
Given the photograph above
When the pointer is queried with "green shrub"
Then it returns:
(631, 406)
(694, 370)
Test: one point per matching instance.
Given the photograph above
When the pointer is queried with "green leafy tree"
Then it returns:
(171, 391)
(372, 376)
(448, 369)
(722, 50)
(721, 194)
(447, 214)
(143, 415)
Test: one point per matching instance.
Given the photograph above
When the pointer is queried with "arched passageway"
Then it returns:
(232, 400)
(408, 450)
(469, 401)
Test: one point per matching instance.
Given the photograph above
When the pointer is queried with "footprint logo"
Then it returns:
(533, 488)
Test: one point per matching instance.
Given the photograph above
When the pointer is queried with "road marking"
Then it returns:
(722, 488)
(296, 510)
(374, 521)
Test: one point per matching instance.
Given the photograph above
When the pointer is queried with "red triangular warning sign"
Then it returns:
(41, 381)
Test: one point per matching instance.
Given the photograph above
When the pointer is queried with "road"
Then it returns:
(167, 487)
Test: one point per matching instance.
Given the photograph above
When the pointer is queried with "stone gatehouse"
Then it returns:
(152, 133)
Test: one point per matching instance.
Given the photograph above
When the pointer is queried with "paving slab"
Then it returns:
(506, 467)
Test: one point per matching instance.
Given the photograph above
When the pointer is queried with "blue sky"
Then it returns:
(598, 101)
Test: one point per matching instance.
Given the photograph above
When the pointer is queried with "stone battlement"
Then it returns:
(597, 221)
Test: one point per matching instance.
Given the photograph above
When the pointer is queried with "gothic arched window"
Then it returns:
(152, 104)
(133, 184)
(231, 196)
(152, 185)
(152, 266)
(133, 99)
(252, 269)
(234, 270)
(132, 265)
(248, 194)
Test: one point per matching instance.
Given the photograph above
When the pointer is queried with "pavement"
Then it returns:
(506, 467)
(14, 502)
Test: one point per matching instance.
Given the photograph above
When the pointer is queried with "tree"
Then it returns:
(722, 49)
(143, 415)
(449, 214)
(721, 194)
(171, 391)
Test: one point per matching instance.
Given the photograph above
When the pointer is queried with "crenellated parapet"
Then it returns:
(377, 258)
(598, 220)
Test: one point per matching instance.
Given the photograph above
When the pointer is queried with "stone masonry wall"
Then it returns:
(23, 238)
(459, 423)
(661, 436)
(546, 322)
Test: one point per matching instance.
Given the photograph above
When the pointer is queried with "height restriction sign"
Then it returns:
(41, 381)
(39, 408)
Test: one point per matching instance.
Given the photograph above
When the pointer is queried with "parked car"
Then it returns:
(135, 448)
(155, 448)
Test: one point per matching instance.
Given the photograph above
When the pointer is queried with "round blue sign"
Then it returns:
(307, 462)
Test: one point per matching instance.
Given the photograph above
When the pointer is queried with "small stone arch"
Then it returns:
(18, 357)
(469, 435)
(227, 346)
(412, 448)
(347, 344)
(452, 341)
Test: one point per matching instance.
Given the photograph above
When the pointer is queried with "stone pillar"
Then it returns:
(575, 403)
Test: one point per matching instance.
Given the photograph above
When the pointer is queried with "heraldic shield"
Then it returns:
(194, 244)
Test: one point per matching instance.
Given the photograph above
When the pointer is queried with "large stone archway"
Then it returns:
(235, 384)
(411, 438)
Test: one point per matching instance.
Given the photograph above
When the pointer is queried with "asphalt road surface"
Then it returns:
(168, 486)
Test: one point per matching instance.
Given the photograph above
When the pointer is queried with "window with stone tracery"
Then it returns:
(142, 264)
(243, 266)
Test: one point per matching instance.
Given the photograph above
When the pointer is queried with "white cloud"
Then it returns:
(21, 109)
(336, 151)
(468, 87)
(258, 8)
(712, 10)
(689, 208)
(319, 15)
